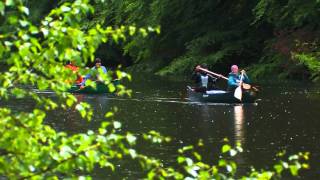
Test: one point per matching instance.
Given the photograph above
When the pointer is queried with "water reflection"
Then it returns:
(70, 120)
(239, 132)
(239, 136)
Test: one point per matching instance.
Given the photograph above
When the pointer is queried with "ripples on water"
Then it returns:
(285, 118)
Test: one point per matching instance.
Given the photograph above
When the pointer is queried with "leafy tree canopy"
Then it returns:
(33, 54)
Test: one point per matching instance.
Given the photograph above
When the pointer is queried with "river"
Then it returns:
(286, 117)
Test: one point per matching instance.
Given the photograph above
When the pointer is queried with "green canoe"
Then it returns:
(100, 89)
(219, 96)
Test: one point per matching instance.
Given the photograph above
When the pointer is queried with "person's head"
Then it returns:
(70, 62)
(234, 69)
(204, 66)
(97, 62)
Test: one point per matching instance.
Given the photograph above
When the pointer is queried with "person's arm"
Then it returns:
(195, 77)
(232, 82)
(245, 77)
(104, 69)
(212, 79)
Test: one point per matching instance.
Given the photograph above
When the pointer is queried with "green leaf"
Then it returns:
(110, 165)
(65, 8)
(189, 161)
(132, 30)
(131, 139)
(185, 148)
(133, 153)
(293, 157)
(24, 9)
(197, 155)
(33, 29)
(181, 159)
(13, 19)
(102, 131)
(19, 93)
(222, 162)
(192, 172)
(109, 114)
(42, 85)
(111, 87)
(65, 152)
(233, 152)
(10, 2)
(116, 124)
(2, 7)
(92, 155)
(23, 23)
(278, 168)
(225, 148)
(70, 102)
(81, 109)
(294, 170)
(229, 168)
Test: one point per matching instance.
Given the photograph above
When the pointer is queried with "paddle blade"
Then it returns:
(238, 93)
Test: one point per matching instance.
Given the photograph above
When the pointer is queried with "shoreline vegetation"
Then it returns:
(265, 37)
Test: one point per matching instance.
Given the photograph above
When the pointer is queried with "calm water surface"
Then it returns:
(286, 117)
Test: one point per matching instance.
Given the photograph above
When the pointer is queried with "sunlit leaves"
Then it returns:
(65, 8)
(18, 93)
(85, 110)
(24, 10)
(155, 137)
(225, 148)
(311, 61)
(23, 23)
(2, 7)
(131, 139)
(132, 30)
(10, 2)
(116, 124)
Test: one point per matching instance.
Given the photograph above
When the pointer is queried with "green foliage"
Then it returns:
(34, 55)
(312, 62)
(218, 33)
(292, 13)
(204, 50)
(225, 168)
(295, 42)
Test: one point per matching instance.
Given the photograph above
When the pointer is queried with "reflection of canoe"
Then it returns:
(218, 96)
(100, 88)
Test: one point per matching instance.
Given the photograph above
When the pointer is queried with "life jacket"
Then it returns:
(204, 80)
(74, 69)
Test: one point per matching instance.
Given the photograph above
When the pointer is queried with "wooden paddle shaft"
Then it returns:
(207, 71)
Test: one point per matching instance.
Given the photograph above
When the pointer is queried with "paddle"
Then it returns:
(244, 85)
(215, 74)
(238, 91)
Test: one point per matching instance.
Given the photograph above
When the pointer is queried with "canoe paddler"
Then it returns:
(235, 76)
(203, 80)
(70, 65)
(95, 70)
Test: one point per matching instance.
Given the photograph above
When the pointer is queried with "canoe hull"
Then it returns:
(100, 89)
(221, 97)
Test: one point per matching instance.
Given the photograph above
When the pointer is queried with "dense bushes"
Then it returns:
(264, 36)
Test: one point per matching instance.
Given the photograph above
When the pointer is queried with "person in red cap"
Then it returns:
(234, 78)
